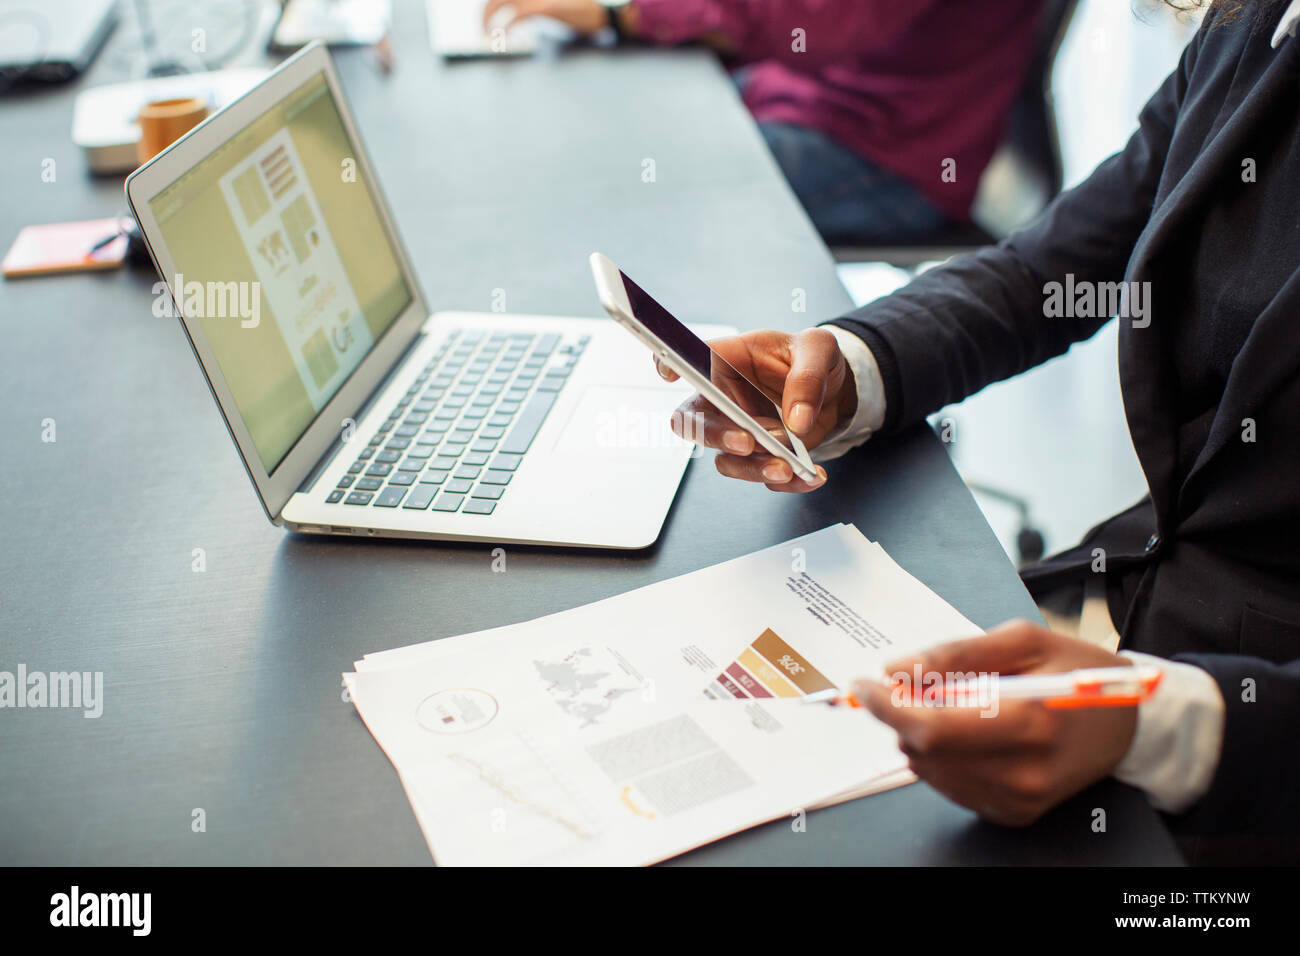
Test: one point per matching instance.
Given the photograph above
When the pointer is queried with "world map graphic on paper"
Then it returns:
(586, 683)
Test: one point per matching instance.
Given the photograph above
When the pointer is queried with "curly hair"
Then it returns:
(1223, 7)
(1224, 12)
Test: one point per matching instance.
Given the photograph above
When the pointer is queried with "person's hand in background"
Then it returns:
(1012, 767)
(583, 16)
(807, 377)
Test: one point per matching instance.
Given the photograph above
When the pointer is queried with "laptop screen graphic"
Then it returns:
(281, 254)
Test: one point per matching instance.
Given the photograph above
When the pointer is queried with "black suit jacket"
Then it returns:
(1207, 568)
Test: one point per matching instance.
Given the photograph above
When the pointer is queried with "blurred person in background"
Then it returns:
(881, 113)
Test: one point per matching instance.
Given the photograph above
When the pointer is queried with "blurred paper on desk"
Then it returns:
(647, 724)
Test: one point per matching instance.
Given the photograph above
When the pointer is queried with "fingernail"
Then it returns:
(801, 417)
(737, 442)
(819, 480)
(776, 472)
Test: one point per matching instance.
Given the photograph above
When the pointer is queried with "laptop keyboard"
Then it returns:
(457, 436)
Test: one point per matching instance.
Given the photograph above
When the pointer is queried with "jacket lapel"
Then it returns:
(1268, 355)
(1146, 365)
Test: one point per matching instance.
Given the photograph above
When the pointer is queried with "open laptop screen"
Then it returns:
(282, 256)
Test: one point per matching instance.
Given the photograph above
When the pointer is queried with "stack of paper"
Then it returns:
(645, 725)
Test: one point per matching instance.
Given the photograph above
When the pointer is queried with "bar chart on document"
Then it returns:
(768, 667)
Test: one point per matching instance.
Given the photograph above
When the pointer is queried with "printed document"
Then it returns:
(647, 724)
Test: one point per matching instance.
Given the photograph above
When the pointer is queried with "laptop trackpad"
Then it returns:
(613, 421)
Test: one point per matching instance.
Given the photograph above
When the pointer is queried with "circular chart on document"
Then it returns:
(457, 710)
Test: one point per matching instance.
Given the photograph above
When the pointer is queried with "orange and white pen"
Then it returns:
(1088, 687)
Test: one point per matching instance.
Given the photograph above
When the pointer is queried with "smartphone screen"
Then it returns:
(707, 362)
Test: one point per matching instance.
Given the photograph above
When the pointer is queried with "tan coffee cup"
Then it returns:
(162, 122)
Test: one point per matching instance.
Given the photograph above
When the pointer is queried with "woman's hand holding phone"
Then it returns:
(804, 373)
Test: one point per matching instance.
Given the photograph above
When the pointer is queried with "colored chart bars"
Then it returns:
(769, 667)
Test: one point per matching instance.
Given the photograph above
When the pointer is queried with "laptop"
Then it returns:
(456, 30)
(355, 410)
(51, 40)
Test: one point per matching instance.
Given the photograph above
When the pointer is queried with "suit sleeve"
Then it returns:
(981, 317)
(1256, 786)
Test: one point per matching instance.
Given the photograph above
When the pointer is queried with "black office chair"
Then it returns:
(1021, 179)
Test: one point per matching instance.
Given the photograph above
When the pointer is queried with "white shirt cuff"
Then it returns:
(870, 414)
(1179, 736)
(1287, 26)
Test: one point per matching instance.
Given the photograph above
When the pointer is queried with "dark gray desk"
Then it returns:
(222, 688)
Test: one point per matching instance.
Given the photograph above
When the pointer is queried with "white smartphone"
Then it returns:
(709, 373)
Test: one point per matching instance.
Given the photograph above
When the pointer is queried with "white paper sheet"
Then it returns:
(644, 725)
